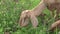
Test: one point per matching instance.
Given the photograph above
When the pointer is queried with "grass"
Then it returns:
(10, 12)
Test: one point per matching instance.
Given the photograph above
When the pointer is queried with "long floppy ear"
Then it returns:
(24, 22)
(34, 20)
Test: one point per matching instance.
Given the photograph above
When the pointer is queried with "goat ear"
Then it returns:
(34, 21)
(21, 21)
(24, 22)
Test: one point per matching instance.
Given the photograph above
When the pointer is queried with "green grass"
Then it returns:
(10, 12)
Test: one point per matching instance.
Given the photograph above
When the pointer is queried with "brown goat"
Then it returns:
(32, 14)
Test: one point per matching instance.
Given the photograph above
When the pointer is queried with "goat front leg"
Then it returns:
(54, 25)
